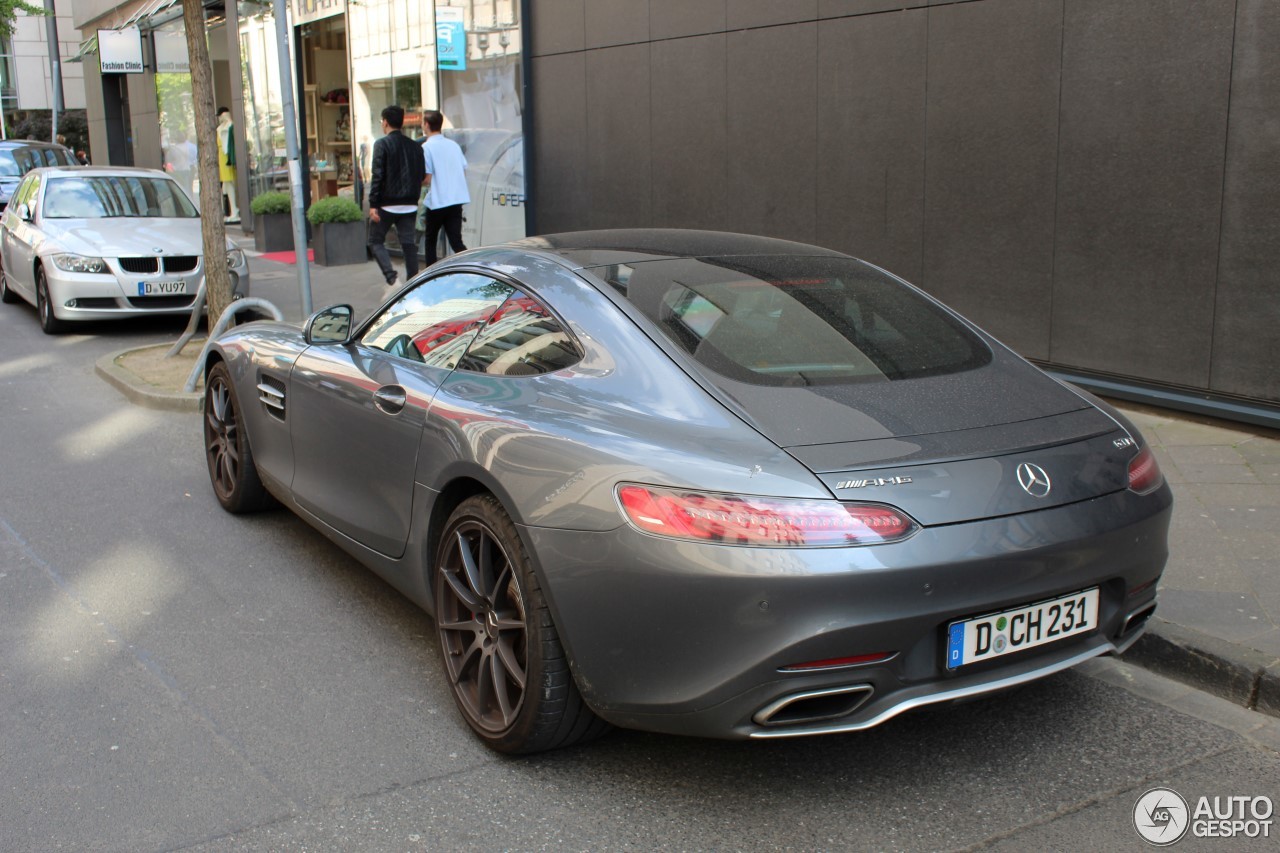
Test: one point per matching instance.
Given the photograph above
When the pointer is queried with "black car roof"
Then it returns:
(666, 242)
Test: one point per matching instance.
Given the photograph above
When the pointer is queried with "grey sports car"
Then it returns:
(697, 483)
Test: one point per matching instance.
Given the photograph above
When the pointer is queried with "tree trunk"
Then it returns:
(213, 229)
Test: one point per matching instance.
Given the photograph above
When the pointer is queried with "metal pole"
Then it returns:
(55, 63)
(291, 156)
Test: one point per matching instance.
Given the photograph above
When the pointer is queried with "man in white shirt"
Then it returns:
(446, 186)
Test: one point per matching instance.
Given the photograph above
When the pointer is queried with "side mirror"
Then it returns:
(330, 325)
(24, 213)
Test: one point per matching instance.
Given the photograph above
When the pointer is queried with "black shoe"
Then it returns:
(395, 278)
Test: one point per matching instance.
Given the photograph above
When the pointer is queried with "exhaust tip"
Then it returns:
(814, 706)
(1136, 619)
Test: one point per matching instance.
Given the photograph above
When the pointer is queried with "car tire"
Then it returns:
(502, 655)
(50, 324)
(7, 295)
(232, 471)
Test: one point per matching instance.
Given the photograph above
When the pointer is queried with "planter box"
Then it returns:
(340, 243)
(273, 232)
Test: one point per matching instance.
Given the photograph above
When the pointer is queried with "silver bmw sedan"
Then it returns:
(88, 243)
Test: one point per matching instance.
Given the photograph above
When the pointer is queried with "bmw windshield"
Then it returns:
(109, 196)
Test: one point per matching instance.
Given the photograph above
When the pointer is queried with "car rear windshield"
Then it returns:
(105, 196)
(15, 162)
(789, 320)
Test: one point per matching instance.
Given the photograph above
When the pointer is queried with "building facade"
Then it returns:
(26, 69)
(1095, 181)
(346, 63)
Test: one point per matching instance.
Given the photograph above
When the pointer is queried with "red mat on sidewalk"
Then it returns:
(289, 257)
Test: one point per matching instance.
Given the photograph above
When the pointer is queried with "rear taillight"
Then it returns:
(756, 521)
(1144, 472)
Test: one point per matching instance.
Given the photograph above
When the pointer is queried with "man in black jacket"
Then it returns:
(397, 173)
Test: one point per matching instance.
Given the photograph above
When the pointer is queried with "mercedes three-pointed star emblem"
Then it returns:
(1033, 479)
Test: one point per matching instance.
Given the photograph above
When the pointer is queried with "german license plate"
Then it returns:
(161, 288)
(987, 637)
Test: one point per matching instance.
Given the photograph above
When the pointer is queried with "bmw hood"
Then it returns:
(127, 236)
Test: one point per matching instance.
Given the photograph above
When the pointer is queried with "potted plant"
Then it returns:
(272, 224)
(338, 231)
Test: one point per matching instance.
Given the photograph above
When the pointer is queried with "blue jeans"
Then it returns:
(403, 223)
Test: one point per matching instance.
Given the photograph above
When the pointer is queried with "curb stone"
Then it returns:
(1241, 675)
(140, 393)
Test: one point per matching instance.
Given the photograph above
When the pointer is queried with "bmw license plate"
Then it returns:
(161, 288)
(986, 637)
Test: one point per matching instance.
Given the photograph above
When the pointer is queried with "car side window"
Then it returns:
(27, 193)
(522, 338)
(24, 160)
(435, 321)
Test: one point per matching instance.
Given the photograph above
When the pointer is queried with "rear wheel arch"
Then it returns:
(451, 496)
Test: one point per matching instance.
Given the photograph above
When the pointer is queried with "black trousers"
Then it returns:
(450, 219)
(403, 223)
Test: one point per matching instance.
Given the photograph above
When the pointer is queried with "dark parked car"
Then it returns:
(698, 483)
(17, 157)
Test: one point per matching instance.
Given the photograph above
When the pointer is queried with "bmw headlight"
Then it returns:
(79, 263)
(235, 258)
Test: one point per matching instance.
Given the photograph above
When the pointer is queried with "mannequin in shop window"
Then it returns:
(227, 162)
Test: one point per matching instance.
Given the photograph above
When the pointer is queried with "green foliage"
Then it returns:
(38, 124)
(270, 202)
(334, 209)
(9, 11)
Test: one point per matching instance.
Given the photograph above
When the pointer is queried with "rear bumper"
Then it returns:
(690, 639)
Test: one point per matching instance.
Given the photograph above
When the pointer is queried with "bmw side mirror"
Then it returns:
(24, 213)
(330, 325)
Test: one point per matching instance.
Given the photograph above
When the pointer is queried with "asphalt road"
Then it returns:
(175, 678)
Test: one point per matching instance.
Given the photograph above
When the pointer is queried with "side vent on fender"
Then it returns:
(271, 395)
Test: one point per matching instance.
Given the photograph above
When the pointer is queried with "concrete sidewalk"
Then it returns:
(1217, 625)
(1218, 620)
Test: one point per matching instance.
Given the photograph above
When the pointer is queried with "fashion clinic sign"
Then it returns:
(120, 51)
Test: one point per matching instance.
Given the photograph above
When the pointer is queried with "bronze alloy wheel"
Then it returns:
(502, 655)
(231, 469)
(482, 625)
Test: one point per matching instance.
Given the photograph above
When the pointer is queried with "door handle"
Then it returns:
(390, 399)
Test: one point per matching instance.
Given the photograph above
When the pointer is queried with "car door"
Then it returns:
(19, 237)
(359, 407)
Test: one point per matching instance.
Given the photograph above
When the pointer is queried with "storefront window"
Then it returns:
(264, 112)
(479, 61)
(462, 57)
(176, 107)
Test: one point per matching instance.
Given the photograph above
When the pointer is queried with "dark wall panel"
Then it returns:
(558, 26)
(768, 13)
(991, 164)
(678, 18)
(871, 88)
(610, 22)
(619, 137)
(772, 120)
(1093, 180)
(560, 190)
(690, 132)
(1144, 116)
(839, 8)
(1247, 313)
